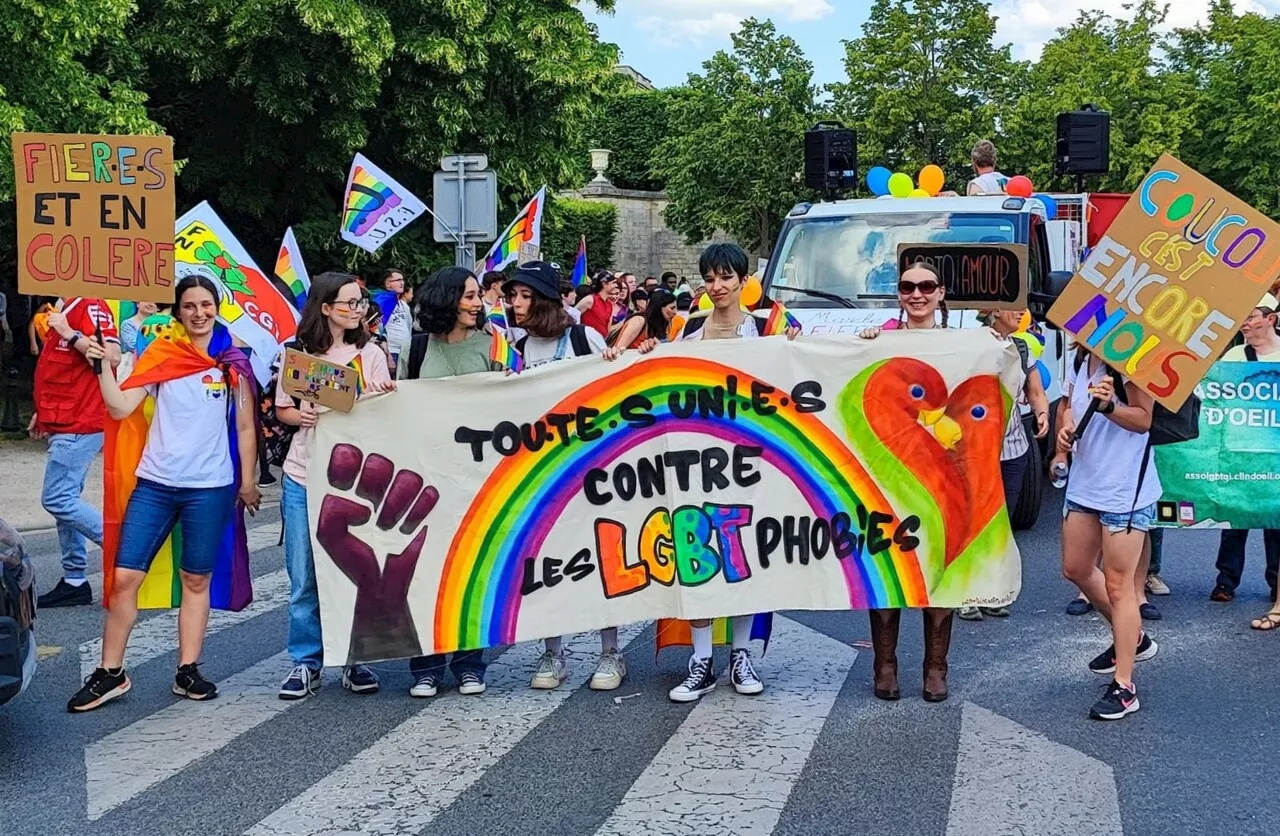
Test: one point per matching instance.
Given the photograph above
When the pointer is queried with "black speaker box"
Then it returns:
(1084, 142)
(830, 158)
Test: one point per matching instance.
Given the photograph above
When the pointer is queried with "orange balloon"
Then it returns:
(1019, 186)
(677, 326)
(752, 292)
(932, 179)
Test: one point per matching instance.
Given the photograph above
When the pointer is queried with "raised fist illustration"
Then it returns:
(383, 625)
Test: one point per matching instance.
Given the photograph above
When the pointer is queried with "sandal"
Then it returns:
(1266, 622)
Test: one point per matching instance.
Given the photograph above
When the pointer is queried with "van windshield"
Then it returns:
(856, 257)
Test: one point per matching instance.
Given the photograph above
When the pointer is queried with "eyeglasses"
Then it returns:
(907, 288)
(352, 304)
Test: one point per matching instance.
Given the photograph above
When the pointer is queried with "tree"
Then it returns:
(632, 124)
(925, 83)
(736, 140)
(1114, 64)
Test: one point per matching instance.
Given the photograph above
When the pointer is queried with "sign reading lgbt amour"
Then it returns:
(1168, 286)
(702, 480)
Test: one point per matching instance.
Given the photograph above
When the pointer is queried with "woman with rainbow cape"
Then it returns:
(195, 471)
(333, 328)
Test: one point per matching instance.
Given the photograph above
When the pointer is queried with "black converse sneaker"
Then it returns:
(743, 674)
(701, 680)
(100, 687)
(1116, 703)
(190, 684)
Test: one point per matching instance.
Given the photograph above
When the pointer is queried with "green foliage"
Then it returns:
(925, 83)
(632, 125)
(567, 220)
(736, 139)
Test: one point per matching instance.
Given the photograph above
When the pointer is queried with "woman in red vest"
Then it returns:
(600, 309)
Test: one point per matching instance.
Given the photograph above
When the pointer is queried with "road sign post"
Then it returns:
(465, 198)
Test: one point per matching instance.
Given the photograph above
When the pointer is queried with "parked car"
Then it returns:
(17, 615)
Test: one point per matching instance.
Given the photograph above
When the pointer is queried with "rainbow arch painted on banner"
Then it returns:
(513, 513)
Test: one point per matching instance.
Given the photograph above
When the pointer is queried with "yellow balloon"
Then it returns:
(919, 193)
(705, 303)
(1024, 324)
(900, 185)
(932, 179)
(752, 292)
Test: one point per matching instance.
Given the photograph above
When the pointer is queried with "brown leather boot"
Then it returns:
(884, 643)
(937, 643)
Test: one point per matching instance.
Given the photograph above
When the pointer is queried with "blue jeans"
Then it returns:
(1139, 519)
(65, 470)
(153, 511)
(305, 644)
(464, 661)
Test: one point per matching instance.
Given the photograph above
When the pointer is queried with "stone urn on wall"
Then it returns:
(600, 164)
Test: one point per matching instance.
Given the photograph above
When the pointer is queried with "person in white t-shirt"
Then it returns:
(986, 180)
(1110, 505)
(400, 320)
(186, 477)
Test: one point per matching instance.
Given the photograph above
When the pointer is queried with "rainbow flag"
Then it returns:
(375, 206)
(675, 632)
(780, 320)
(502, 352)
(121, 310)
(580, 266)
(525, 229)
(291, 270)
(497, 317)
(163, 360)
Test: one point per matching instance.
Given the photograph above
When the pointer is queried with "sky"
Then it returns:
(668, 39)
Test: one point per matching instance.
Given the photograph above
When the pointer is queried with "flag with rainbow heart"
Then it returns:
(697, 481)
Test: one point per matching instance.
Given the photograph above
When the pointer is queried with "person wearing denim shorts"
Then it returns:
(1108, 511)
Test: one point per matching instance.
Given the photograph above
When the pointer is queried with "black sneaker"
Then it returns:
(743, 674)
(1149, 612)
(190, 684)
(1080, 606)
(267, 480)
(358, 679)
(701, 680)
(1116, 702)
(301, 682)
(66, 595)
(1105, 662)
(100, 687)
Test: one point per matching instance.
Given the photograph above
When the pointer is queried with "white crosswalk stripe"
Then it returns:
(733, 762)
(404, 780)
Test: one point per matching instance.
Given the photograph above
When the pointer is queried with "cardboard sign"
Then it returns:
(1166, 289)
(528, 252)
(318, 381)
(95, 215)
(986, 277)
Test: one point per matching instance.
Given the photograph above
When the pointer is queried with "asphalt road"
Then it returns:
(1012, 751)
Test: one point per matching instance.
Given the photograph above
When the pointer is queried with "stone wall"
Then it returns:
(645, 245)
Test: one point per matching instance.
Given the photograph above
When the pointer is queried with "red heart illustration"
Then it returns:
(977, 405)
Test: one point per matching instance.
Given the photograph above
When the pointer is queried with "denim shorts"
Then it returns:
(153, 511)
(1139, 520)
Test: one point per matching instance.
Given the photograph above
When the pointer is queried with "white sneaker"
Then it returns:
(1156, 585)
(551, 671)
(609, 671)
(425, 686)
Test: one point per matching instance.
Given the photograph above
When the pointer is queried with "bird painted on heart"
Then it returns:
(980, 406)
(895, 414)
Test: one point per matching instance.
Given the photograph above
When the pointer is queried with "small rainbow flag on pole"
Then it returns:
(291, 270)
(497, 317)
(780, 320)
(580, 265)
(502, 352)
(525, 229)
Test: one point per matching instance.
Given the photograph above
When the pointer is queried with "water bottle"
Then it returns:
(1059, 475)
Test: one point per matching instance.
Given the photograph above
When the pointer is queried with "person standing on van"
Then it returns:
(69, 411)
(986, 180)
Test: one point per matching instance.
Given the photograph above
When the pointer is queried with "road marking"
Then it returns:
(415, 771)
(1010, 779)
(159, 746)
(47, 651)
(731, 765)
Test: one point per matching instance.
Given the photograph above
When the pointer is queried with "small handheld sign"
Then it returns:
(318, 381)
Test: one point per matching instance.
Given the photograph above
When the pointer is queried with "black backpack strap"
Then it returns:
(1250, 353)
(417, 353)
(1142, 474)
(693, 325)
(520, 344)
(578, 341)
(760, 324)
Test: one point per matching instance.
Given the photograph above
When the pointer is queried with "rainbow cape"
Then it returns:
(168, 359)
(525, 229)
(502, 352)
(674, 632)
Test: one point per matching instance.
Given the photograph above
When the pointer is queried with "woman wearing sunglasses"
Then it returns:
(920, 298)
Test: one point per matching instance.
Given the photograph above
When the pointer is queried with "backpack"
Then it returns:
(1167, 426)
(276, 435)
(417, 353)
(577, 341)
(695, 323)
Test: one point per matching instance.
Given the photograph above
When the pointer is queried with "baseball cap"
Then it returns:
(538, 276)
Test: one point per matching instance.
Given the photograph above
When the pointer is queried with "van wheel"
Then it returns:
(1027, 510)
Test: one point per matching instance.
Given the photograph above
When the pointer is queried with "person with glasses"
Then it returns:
(332, 328)
(396, 315)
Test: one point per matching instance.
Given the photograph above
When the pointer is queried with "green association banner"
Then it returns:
(1230, 476)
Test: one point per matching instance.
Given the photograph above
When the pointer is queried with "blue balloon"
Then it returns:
(878, 180)
(1050, 205)
(1045, 377)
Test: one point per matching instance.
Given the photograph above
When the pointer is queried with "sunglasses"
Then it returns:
(926, 287)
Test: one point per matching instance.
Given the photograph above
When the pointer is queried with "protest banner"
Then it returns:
(253, 309)
(982, 277)
(95, 215)
(1229, 477)
(375, 206)
(700, 480)
(1166, 289)
(318, 381)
